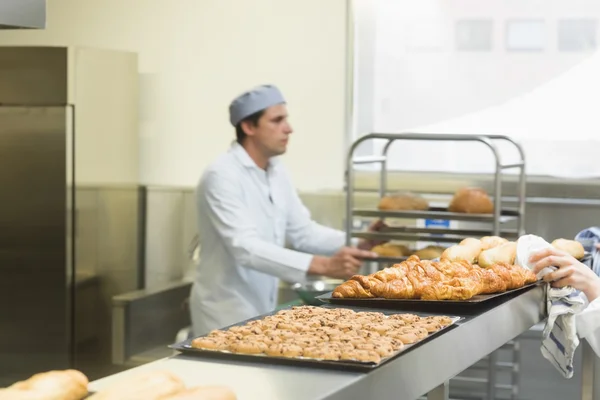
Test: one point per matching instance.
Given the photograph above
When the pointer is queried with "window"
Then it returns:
(577, 34)
(525, 35)
(474, 35)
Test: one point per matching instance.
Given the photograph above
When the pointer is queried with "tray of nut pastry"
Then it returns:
(324, 337)
(472, 272)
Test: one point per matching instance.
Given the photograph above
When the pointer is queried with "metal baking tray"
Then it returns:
(345, 365)
(506, 215)
(433, 306)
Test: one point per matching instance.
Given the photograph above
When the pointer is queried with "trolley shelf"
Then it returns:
(507, 215)
(411, 237)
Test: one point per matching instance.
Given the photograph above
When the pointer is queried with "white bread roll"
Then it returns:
(203, 393)
(572, 247)
(488, 242)
(152, 385)
(52, 385)
(471, 242)
(505, 253)
(467, 253)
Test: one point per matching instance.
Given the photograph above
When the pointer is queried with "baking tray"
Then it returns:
(346, 365)
(474, 304)
(506, 215)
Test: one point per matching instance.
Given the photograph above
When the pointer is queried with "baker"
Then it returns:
(247, 210)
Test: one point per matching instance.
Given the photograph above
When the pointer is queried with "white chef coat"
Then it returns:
(245, 216)
(588, 325)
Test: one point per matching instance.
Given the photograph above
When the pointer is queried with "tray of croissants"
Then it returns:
(72, 384)
(324, 337)
(471, 272)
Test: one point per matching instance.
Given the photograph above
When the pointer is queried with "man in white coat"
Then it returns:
(247, 210)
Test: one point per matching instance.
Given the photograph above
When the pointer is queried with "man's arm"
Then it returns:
(221, 199)
(222, 202)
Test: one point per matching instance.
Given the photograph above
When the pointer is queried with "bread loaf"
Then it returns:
(471, 201)
(572, 247)
(503, 254)
(403, 202)
(52, 385)
(152, 385)
(488, 242)
(430, 252)
(203, 393)
(461, 252)
(391, 250)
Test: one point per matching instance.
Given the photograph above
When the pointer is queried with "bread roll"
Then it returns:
(52, 385)
(391, 250)
(403, 201)
(471, 201)
(572, 247)
(152, 385)
(471, 242)
(488, 242)
(467, 253)
(505, 253)
(430, 252)
(203, 393)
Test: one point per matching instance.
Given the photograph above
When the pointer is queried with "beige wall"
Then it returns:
(196, 55)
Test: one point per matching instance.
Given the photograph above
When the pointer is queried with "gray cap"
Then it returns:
(252, 101)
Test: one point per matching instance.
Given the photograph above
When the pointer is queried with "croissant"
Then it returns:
(455, 289)
(429, 280)
(389, 274)
(398, 289)
(351, 289)
(491, 282)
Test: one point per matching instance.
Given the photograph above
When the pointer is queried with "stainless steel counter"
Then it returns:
(421, 370)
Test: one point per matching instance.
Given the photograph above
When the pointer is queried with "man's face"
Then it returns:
(271, 133)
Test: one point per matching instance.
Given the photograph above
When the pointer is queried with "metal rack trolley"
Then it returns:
(497, 219)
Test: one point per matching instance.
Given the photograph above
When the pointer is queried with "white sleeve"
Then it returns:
(222, 198)
(306, 235)
(588, 325)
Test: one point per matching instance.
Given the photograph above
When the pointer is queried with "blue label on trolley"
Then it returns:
(437, 223)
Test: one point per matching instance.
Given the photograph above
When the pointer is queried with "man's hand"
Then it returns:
(342, 265)
(569, 272)
(376, 226)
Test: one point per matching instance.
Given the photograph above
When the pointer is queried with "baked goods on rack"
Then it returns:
(430, 252)
(52, 385)
(332, 334)
(391, 250)
(403, 202)
(430, 280)
(572, 247)
(471, 200)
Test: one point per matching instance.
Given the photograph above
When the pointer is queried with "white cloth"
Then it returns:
(588, 325)
(559, 339)
(245, 216)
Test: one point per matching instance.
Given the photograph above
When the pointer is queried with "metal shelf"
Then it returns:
(495, 220)
(433, 237)
(507, 215)
(441, 231)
